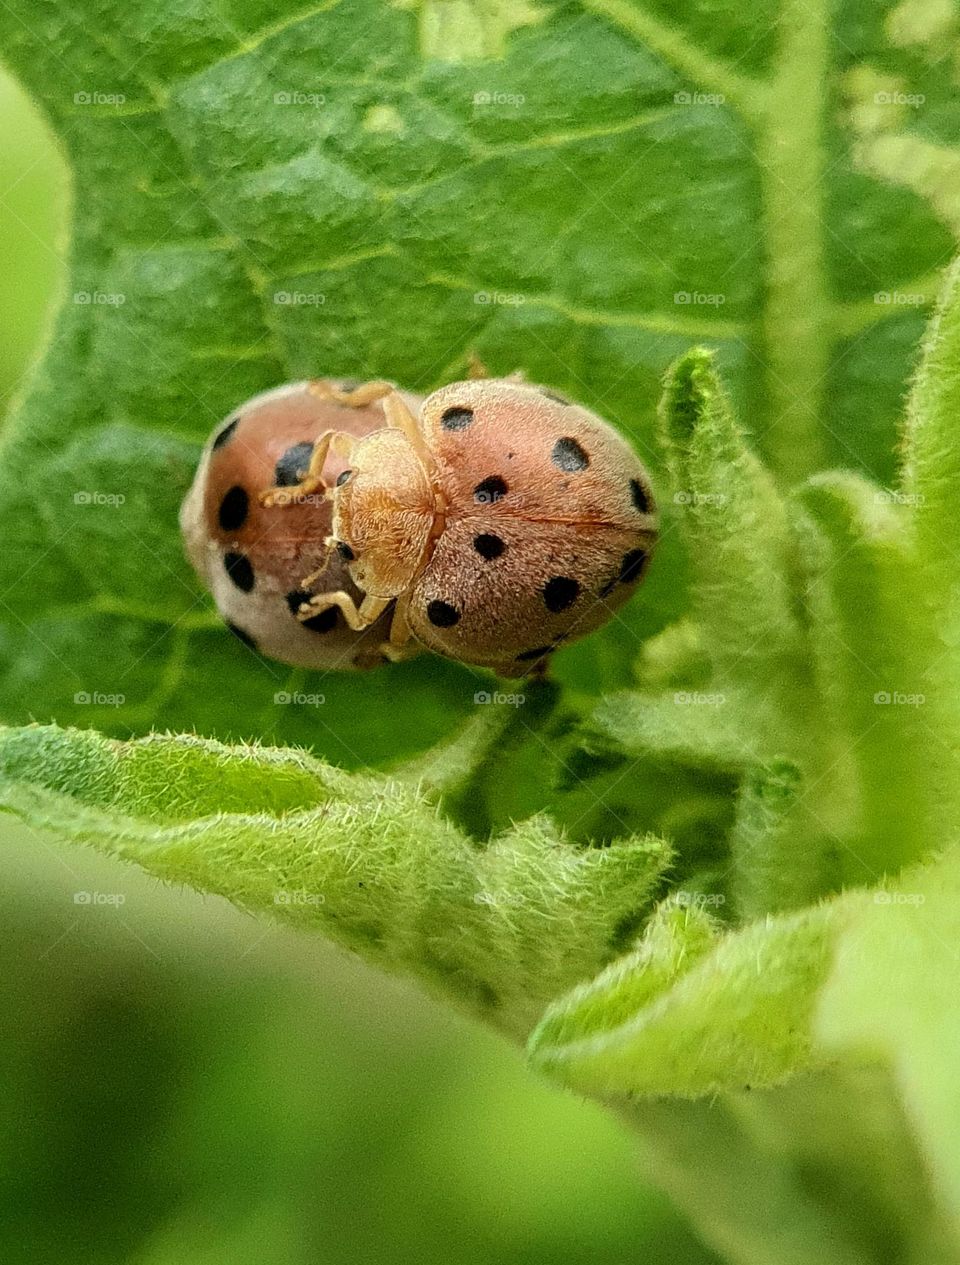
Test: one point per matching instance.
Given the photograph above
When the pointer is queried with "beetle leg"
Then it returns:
(336, 440)
(357, 617)
(356, 397)
(400, 645)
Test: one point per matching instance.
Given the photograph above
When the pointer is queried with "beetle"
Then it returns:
(496, 521)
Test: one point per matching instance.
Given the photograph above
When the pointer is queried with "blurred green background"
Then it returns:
(182, 1084)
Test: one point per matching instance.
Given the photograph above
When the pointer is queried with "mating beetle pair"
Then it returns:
(341, 525)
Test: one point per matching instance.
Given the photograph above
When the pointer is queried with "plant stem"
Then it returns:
(795, 324)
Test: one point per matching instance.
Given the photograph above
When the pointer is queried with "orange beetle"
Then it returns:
(256, 560)
(493, 524)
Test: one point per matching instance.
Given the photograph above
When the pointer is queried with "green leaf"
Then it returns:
(735, 526)
(884, 709)
(367, 861)
(687, 1017)
(891, 996)
(931, 471)
(863, 986)
(856, 1160)
(554, 159)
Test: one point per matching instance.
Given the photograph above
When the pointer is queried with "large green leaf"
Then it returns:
(368, 861)
(578, 189)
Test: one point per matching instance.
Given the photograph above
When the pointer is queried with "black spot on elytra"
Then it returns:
(233, 509)
(552, 395)
(560, 592)
(227, 431)
(242, 635)
(324, 622)
(345, 552)
(342, 477)
(537, 653)
(456, 418)
(239, 570)
(632, 564)
(567, 455)
(293, 465)
(442, 614)
(491, 490)
(488, 546)
(640, 496)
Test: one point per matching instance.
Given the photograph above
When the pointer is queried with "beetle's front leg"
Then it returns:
(331, 440)
(357, 617)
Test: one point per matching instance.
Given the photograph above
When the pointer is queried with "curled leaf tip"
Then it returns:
(690, 384)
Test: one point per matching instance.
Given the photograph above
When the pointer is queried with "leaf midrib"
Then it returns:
(784, 112)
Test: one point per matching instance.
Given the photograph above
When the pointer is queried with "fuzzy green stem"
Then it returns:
(795, 321)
